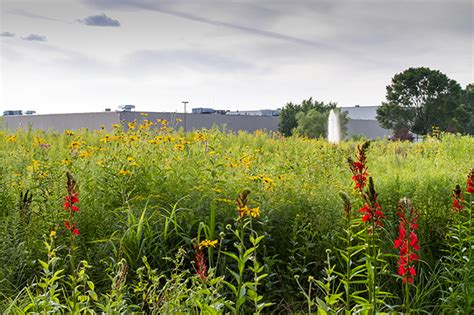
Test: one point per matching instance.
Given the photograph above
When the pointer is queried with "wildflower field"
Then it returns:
(152, 220)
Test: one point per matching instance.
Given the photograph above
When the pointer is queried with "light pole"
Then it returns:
(184, 103)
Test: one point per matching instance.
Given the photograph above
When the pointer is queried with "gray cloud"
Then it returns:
(99, 20)
(35, 37)
(7, 34)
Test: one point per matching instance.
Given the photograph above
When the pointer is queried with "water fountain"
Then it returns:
(334, 127)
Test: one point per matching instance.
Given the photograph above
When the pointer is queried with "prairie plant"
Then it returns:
(458, 266)
(372, 217)
(244, 284)
(45, 294)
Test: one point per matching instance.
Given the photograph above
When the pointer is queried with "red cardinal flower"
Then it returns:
(407, 241)
(470, 182)
(371, 210)
(358, 168)
(457, 199)
(70, 201)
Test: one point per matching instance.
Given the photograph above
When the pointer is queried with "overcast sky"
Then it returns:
(86, 55)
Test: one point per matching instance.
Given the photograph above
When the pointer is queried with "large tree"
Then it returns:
(420, 98)
(308, 118)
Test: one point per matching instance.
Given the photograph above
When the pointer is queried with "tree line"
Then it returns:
(417, 100)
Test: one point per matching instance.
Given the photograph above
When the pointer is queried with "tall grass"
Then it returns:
(152, 192)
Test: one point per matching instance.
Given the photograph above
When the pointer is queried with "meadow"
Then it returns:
(160, 221)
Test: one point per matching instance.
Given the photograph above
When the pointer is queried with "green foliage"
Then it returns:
(419, 98)
(308, 119)
(465, 111)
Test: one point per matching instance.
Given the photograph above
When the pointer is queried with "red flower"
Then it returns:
(407, 243)
(372, 210)
(470, 182)
(70, 201)
(457, 199)
(358, 168)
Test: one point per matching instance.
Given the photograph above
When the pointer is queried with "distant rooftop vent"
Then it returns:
(12, 113)
(126, 108)
(201, 110)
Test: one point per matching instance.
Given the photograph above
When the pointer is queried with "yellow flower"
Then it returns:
(69, 132)
(144, 114)
(35, 165)
(145, 125)
(179, 147)
(38, 140)
(133, 138)
(124, 172)
(66, 162)
(254, 212)
(11, 139)
(85, 153)
(43, 174)
(268, 183)
(245, 211)
(132, 161)
(74, 145)
(52, 233)
(207, 243)
(246, 160)
(131, 125)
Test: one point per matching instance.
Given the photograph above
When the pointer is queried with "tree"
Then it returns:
(420, 98)
(288, 119)
(312, 124)
(465, 112)
(308, 118)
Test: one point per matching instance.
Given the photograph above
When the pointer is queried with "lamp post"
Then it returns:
(184, 103)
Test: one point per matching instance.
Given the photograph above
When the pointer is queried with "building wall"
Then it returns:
(94, 121)
(367, 128)
(61, 122)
